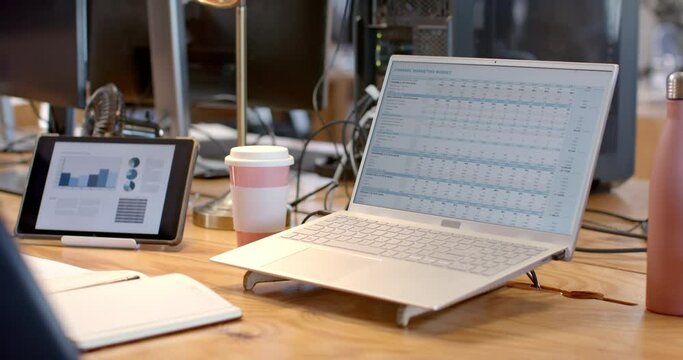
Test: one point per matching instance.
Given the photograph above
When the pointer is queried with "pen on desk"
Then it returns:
(84, 283)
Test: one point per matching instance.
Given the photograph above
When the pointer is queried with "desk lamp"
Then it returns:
(217, 214)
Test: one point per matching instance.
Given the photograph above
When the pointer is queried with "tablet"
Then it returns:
(128, 188)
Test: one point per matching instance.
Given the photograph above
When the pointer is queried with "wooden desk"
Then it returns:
(293, 320)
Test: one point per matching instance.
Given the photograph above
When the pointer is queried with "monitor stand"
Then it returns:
(7, 125)
(63, 119)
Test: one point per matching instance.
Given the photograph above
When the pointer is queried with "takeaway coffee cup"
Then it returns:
(259, 184)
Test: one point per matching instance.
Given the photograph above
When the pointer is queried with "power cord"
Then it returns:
(301, 158)
(267, 128)
(299, 200)
(357, 130)
(612, 251)
(604, 228)
(608, 230)
(534, 279)
(315, 213)
(10, 145)
(615, 215)
(327, 196)
(213, 140)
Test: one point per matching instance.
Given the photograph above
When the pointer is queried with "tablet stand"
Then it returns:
(403, 315)
(100, 242)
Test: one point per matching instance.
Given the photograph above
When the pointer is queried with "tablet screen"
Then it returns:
(109, 187)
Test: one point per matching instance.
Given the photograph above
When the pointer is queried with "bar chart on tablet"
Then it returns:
(88, 172)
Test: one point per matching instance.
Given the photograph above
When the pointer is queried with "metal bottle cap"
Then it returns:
(674, 86)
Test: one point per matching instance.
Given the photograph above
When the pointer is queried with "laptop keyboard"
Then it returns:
(469, 254)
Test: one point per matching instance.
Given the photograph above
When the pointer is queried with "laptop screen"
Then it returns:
(504, 145)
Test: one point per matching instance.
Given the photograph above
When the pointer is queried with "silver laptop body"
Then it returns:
(476, 171)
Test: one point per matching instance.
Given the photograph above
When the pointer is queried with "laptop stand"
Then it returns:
(403, 315)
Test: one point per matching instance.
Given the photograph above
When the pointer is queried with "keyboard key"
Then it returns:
(437, 248)
(299, 236)
(390, 253)
(445, 256)
(442, 263)
(416, 258)
(458, 266)
(355, 247)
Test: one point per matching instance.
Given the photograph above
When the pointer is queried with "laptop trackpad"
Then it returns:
(318, 264)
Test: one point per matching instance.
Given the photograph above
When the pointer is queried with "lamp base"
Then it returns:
(216, 214)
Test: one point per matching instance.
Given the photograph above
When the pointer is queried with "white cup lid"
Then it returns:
(259, 156)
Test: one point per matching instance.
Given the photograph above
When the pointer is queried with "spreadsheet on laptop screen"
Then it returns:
(496, 144)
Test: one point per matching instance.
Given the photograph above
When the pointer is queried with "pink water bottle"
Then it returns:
(665, 234)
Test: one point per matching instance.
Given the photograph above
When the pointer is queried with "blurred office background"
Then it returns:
(294, 42)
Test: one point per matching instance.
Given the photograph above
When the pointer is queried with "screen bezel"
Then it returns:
(172, 218)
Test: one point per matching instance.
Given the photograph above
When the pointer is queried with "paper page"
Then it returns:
(54, 276)
(108, 314)
(44, 269)
(93, 278)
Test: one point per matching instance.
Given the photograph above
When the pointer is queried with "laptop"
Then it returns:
(476, 171)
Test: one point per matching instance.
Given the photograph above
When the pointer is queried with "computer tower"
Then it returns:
(558, 30)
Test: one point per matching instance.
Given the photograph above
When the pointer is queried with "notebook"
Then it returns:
(100, 308)
(52, 301)
(476, 171)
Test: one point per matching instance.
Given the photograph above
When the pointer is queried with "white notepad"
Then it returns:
(103, 308)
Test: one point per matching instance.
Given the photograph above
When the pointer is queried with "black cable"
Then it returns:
(615, 215)
(233, 99)
(258, 139)
(346, 150)
(611, 251)
(534, 279)
(213, 140)
(606, 226)
(268, 129)
(316, 213)
(8, 147)
(323, 76)
(303, 152)
(301, 199)
(362, 104)
(346, 188)
(613, 232)
(595, 226)
(350, 154)
(327, 195)
(298, 199)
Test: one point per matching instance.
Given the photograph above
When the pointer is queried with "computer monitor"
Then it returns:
(119, 48)
(43, 58)
(43, 51)
(286, 42)
(577, 30)
(560, 30)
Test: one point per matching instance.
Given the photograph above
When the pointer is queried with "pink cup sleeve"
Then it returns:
(259, 177)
